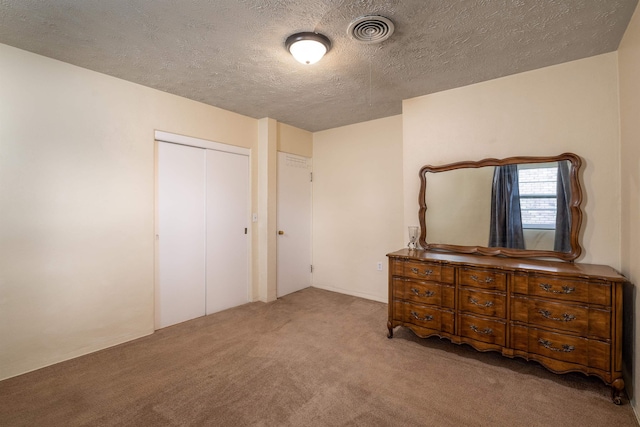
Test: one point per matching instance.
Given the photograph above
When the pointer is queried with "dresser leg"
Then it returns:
(616, 391)
(390, 328)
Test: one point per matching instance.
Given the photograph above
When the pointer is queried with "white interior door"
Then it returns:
(294, 223)
(227, 230)
(180, 285)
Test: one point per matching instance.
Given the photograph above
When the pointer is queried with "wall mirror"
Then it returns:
(518, 206)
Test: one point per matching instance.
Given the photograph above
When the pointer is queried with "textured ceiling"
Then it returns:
(230, 53)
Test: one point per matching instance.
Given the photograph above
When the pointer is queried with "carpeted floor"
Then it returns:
(313, 358)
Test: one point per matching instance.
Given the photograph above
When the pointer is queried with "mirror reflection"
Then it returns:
(522, 206)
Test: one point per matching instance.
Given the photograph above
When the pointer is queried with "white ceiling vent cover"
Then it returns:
(370, 29)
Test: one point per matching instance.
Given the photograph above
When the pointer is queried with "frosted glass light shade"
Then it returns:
(308, 48)
(308, 51)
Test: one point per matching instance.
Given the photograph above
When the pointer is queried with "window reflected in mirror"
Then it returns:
(538, 195)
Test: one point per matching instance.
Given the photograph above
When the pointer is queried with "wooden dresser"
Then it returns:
(566, 316)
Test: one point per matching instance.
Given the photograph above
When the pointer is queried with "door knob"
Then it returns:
(281, 232)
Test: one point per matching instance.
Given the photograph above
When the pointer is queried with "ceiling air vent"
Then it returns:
(370, 29)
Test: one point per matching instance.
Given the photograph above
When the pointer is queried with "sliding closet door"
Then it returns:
(227, 224)
(180, 285)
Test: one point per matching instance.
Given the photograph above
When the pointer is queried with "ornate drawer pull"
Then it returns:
(566, 317)
(565, 289)
(566, 348)
(485, 331)
(426, 293)
(477, 279)
(426, 272)
(426, 318)
(474, 301)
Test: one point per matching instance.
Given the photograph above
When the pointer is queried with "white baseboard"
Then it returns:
(353, 293)
(75, 354)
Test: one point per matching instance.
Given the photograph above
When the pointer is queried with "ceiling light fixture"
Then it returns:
(308, 48)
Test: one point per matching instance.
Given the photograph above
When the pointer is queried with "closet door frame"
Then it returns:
(161, 136)
(201, 143)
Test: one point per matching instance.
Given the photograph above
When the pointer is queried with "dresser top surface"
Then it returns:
(561, 268)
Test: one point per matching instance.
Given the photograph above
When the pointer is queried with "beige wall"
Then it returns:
(267, 208)
(357, 206)
(629, 64)
(77, 204)
(570, 107)
(294, 140)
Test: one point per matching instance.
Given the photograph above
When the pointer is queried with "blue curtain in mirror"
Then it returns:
(506, 219)
(562, 241)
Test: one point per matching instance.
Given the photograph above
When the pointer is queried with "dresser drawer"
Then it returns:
(428, 271)
(480, 329)
(426, 316)
(484, 303)
(566, 348)
(487, 279)
(566, 290)
(579, 319)
(429, 293)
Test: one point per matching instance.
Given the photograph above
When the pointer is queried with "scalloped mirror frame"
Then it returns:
(576, 212)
